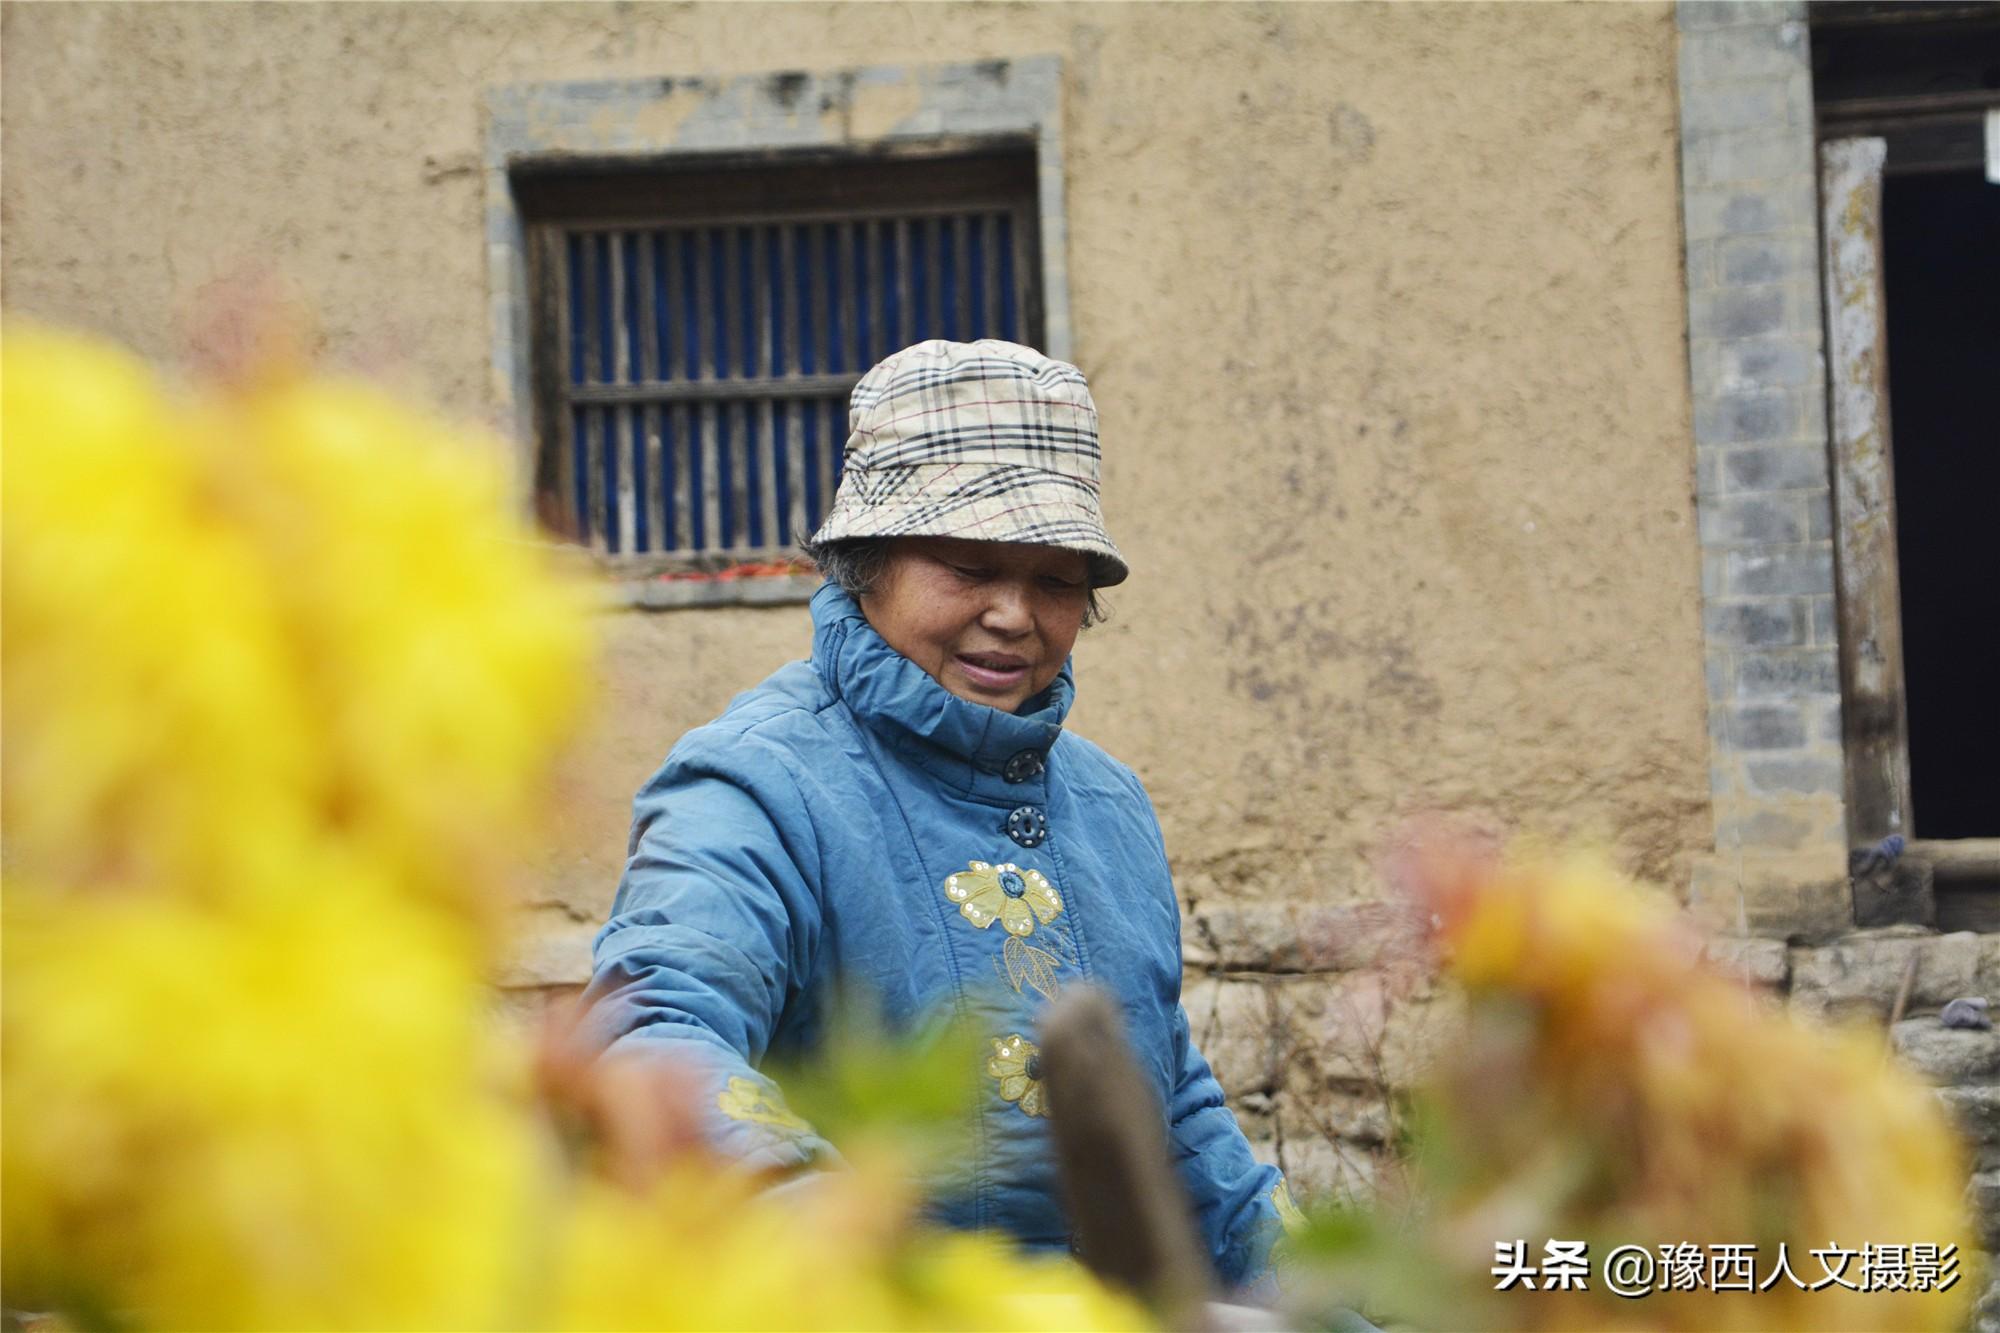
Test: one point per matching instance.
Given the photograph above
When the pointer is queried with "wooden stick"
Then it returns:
(1958, 858)
(1903, 991)
(1127, 1203)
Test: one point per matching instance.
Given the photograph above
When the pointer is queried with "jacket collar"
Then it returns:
(963, 742)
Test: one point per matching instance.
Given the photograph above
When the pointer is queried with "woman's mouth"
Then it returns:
(993, 671)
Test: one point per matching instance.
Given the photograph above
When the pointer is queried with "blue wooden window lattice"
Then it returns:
(705, 366)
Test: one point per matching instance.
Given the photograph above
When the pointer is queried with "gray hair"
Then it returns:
(857, 565)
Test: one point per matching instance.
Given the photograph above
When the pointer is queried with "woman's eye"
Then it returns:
(1062, 585)
(971, 572)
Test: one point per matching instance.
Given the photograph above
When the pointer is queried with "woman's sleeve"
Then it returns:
(712, 934)
(1235, 1196)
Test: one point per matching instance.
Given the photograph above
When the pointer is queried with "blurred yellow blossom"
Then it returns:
(700, 1253)
(279, 676)
(1610, 1088)
(287, 1116)
(295, 605)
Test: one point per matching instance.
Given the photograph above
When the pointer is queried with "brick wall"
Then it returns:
(1763, 489)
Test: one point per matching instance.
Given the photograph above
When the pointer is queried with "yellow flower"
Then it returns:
(743, 1099)
(244, 621)
(707, 1252)
(1610, 1086)
(290, 1116)
(1017, 1064)
(1014, 897)
(282, 676)
(142, 640)
(972, 1281)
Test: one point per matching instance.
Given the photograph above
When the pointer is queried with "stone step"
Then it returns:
(1948, 1056)
(1859, 975)
(1976, 1111)
(1983, 1195)
(1986, 1314)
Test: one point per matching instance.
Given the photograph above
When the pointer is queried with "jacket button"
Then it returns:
(1022, 766)
(1027, 826)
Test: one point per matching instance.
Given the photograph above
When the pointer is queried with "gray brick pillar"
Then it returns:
(1762, 477)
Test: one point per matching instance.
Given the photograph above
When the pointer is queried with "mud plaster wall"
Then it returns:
(1382, 306)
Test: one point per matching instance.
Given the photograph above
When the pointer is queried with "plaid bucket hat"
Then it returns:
(989, 441)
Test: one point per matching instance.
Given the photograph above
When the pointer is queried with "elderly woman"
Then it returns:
(905, 811)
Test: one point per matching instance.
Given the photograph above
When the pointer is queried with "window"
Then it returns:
(696, 325)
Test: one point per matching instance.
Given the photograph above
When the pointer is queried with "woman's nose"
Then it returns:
(1008, 609)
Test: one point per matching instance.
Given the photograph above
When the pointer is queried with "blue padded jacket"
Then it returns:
(850, 819)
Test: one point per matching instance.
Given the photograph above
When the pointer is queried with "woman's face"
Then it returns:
(990, 621)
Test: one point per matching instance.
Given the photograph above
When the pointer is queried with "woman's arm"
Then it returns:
(713, 934)
(1235, 1196)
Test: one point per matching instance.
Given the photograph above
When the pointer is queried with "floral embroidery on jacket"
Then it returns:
(1288, 1211)
(745, 1100)
(1014, 897)
(1023, 964)
(1017, 1064)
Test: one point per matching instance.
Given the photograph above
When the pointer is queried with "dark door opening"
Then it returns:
(1941, 268)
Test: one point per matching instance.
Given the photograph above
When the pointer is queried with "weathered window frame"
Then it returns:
(702, 123)
(1875, 727)
(847, 261)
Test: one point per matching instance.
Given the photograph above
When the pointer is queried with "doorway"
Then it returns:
(1941, 273)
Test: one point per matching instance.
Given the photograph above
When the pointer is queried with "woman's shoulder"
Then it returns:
(783, 715)
(793, 691)
(1083, 762)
